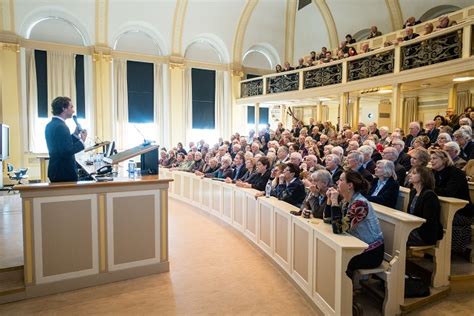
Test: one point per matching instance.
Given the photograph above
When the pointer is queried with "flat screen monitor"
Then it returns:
(110, 149)
(5, 142)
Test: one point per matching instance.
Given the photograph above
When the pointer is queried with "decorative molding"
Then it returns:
(176, 65)
(329, 21)
(395, 12)
(241, 29)
(178, 24)
(10, 47)
(101, 21)
(97, 57)
(291, 7)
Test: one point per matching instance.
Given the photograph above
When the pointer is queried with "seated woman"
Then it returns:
(419, 157)
(356, 216)
(167, 163)
(385, 187)
(424, 203)
(315, 202)
(290, 188)
(250, 166)
(259, 181)
(451, 182)
(224, 171)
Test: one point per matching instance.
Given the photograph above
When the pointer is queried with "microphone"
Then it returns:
(145, 141)
(77, 123)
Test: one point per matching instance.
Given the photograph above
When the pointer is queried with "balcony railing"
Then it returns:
(435, 48)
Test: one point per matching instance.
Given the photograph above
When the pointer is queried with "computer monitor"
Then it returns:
(110, 149)
(4, 142)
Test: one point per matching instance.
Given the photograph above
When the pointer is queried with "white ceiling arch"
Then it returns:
(141, 27)
(266, 50)
(54, 13)
(214, 42)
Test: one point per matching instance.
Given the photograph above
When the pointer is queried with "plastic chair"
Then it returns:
(16, 175)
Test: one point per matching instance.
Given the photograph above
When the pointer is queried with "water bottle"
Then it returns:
(268, 189)
(131, 169)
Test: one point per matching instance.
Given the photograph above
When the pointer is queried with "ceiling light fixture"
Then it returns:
(463, 79)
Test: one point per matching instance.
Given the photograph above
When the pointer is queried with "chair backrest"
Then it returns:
(9, 167)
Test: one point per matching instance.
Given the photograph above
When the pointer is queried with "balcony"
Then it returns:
(393, 64)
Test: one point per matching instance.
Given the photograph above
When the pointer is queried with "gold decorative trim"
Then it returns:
(329, 21)
(176, 65)
(10, 47)
(241, 28)
(164, 225)
(291, 7)
(395, 12)
(178, 23)
(102, 234)
(28, 242)
(97, 57)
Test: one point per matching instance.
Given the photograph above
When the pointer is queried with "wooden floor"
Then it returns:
(214, 270)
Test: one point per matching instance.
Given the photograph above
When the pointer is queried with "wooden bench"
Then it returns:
(442, 250)
(307, 250)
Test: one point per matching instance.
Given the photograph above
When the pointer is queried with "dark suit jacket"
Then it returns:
(433, 135)
(241, 173)
(337, 174)
(413, 36)
(311, 203)
(367, 175)
(404, 160)
(401, 173)
(370, 166)
(293, 193)
(409, 139)
(452, 182)
(259, 181)
(387, 195)
(427, 206)
(467, 153)
(61, 147)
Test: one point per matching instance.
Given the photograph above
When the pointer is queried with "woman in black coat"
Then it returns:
(424, 203)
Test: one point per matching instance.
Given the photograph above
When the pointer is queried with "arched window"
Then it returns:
(438, 11)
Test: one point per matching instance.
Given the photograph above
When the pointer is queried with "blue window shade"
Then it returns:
(80, 90)
(42, 82)
(204, 94)
(263, 115)
(140, 92)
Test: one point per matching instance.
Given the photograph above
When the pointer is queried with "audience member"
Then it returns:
(411, 21)
(290, 188)
(464, 139)
(356, 216)
(452, 148)
(443, 22)
(349, 39)
(409, 34)
(259, 181)
(424, 203)
(374, 32)
(428, 28)
(385, 188)
(315, 201)
(391, 153)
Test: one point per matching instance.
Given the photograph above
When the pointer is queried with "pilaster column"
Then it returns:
(395, 115)
(103, 114)
(343, 109)
(238, 111)
(257, 117)
(178, 120)
(453, 98)
(11, 112)
(355, 112)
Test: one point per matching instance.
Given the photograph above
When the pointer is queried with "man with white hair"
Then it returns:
(333, 165)
(391, 153)
(296, 158)
(353, 145)
(354, 161)
(311, 162)
(403, 158)
(364, 134)
(452, 148)
(415, 131)
(282, 155)
(373, 129)
(465, 121)
(464, 139)
(367, 163)
(339, 151)
(384, 135)
(431, 131)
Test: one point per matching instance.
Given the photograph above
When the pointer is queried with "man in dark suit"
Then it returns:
(239, 166)
(333, 165)
(415, 131)
(391, 153)
(463, 138)
(409, 35)
(403, 158)
(61, 144)
(290, 188)
(431, 131)
(355, 162)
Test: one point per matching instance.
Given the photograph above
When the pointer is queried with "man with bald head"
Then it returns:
(415, 131)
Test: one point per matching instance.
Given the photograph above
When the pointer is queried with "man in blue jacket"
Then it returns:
(61, 144)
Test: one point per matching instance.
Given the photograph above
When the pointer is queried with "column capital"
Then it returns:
(10, 47)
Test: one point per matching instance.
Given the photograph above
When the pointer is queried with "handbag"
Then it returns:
(415, 287)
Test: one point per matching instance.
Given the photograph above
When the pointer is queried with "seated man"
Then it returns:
(409, 34)
(290, 188)
(374, 32)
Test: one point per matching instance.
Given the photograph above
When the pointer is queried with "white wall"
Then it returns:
(367, 107)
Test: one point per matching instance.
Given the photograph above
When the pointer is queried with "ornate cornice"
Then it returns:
(100, 56)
